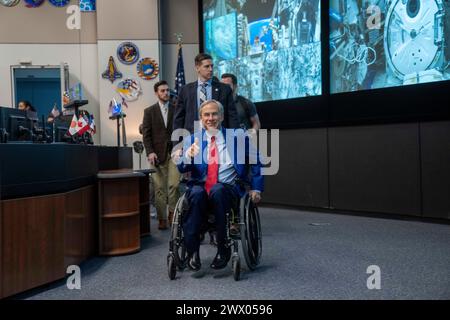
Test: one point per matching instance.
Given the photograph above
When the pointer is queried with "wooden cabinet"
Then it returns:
(41, 236)
(119, 211)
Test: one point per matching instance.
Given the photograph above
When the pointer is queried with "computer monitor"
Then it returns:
(15, 125)
(62, 125)
(19, 128)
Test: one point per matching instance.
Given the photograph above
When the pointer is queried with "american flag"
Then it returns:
(55, 112)
(179, 78)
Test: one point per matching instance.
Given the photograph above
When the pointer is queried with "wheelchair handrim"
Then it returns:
(250, 238)
(176, 241)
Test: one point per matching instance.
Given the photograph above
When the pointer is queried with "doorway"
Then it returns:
(40, 85)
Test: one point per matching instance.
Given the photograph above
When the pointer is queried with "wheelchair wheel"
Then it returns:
(236, 265)
(176, 237)
(171, 267)
(251, 233)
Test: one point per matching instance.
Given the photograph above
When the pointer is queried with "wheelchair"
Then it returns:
(244, 214)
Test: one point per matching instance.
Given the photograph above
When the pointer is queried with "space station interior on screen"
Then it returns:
(273, 46)
(381, 43)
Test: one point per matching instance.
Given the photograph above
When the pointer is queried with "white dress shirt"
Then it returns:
(227, 173)
(164, 107)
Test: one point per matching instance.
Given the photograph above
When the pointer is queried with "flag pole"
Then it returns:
(179, 37)
(180, 79)
(118, 122)
(124, 134)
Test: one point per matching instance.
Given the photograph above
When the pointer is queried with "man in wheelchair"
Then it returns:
(217, 160)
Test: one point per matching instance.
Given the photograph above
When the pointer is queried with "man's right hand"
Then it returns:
(152, 157)
(193, 150)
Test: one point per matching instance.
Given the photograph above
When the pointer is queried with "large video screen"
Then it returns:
(387, 43)
(272, 46)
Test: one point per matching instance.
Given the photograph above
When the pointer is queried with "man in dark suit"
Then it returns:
(157, 130)
(193, 94)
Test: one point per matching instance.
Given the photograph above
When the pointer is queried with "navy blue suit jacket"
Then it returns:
(186, 110)
(199, 168)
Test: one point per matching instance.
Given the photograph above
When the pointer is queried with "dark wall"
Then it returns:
(435, 155)
(375, 168)
(302, 178)
(391, 168)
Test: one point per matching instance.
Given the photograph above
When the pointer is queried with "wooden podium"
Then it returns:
(119, 211)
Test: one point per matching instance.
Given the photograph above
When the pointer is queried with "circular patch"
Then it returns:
(87, 5)
(59, 3)
(128, 53)
(147, 69)
(9, 3)
(33, 3)
(129, 89)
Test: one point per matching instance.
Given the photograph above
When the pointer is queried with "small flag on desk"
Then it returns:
(92, 126)
(73, 126)
(180, 80)
(83, 125)
(55, 112)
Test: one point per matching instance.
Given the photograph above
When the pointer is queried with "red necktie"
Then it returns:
(213, 165)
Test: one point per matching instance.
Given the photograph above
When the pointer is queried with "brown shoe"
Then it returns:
(170, 217)
(162, 225)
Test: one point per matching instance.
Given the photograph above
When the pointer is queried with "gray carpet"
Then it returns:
(306, 255)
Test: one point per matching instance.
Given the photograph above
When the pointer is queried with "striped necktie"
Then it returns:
(203, 96)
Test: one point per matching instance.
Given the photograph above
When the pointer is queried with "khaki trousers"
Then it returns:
(166, 181)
